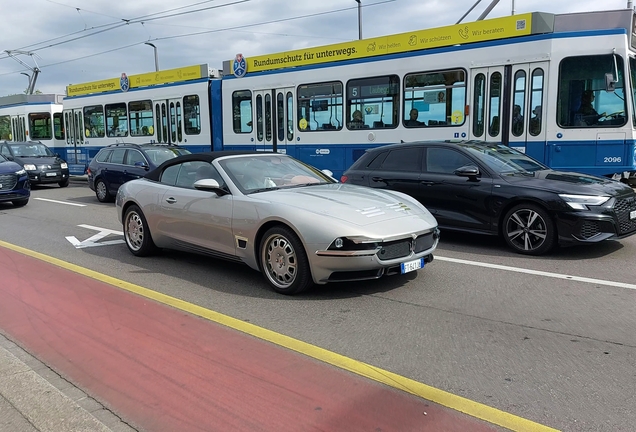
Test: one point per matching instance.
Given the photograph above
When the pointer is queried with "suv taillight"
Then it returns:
(343, 179)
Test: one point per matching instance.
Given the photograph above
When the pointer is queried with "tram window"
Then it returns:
(58, 126)
(242, 111)
(158, 117)
(319, 106)
(280, 117)
(5, 127)
(164, 122)
(259, 117)
(290, 116)
(141, 121)
(434, 98)
(494, 102)
(94, 121)
(268, 117)
(632, 71)
(192, 115)
(582, 100)
(173, 122)
(179, 130)
(372, 103)
(536, 101)
(479, 103)
(40, 126)
(519, 103)
(117, 120)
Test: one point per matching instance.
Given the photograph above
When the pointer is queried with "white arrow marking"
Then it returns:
(93, 240)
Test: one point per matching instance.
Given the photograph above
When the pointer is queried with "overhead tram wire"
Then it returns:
(119, 23)
(209, 31)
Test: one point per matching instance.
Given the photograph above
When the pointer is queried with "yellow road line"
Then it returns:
(458, 403)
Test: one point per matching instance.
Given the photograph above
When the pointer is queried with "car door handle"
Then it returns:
(171, 200)
(427, 183)
(377, 179)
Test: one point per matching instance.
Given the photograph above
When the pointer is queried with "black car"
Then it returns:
(116, 164)
(493, 189)
(14, 183)
(42, 165)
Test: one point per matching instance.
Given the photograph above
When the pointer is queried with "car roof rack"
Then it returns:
(144, 144)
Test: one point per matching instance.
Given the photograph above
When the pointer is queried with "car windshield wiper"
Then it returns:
(251, 191)
(306, 184)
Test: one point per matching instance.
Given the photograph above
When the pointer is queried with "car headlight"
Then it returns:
(347, 244)
(29, 167)
(21, 172)
(63, 165)
(580, 202)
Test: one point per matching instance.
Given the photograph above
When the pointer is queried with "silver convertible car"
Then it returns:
(294, 223)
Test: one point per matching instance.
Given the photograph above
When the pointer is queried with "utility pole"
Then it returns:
(359, 18)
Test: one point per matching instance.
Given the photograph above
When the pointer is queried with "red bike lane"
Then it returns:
(163, 369)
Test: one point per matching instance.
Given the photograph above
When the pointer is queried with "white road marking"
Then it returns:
(61, 202)
(93, 240)
(539, 273)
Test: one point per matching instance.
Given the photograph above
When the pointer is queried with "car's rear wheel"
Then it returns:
(529, 229)
(20, 203)
(63, 183)
(284, 261)
(136, 232)
(101, 191)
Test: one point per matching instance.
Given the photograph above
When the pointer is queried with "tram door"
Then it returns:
(526, 106)
(274, 119)
(487, 103)
(18, 127)
(74, 134)
(169, 121)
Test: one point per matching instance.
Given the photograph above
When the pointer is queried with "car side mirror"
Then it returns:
(328, 173)
(142, 164)
(209, 185)
(470, 171)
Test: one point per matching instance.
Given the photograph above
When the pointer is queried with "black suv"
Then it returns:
(42, 165)
(118, 163)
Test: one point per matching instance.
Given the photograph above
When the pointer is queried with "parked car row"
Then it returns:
(299, 226)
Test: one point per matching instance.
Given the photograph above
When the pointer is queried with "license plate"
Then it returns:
(51, 174)
(412, 265)
(632, 214)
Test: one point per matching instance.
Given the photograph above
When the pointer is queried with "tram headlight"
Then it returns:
(30, 167)
(580, 202)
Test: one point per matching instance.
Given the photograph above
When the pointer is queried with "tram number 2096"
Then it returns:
(612, 159)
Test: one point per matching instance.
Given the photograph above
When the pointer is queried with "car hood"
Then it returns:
(9, 167)
(354, 204)
(44, 160)
(569, 183)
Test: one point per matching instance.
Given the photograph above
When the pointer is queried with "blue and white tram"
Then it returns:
(169, 106)
(559, 87)
(36, 117)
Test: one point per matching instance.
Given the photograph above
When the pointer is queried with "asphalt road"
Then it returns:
(550, 339)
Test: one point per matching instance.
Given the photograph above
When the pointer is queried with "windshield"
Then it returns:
(503, 159)
(30, 150)
(160, 155)
(257, 173)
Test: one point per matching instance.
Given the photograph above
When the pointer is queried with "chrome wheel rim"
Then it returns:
(526, 230)
(279, 261)
(134, 231)
(101, 190)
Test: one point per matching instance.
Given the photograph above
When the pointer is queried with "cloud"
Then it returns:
(101, 31)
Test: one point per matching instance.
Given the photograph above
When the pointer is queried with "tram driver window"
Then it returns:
(94, 121)
(372, 103)
(320, 107)
(583, 101)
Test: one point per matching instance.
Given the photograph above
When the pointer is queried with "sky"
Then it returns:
(77, 41)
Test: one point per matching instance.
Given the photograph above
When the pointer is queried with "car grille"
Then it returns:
(8, 181)
(622, 208)
(424, 242)
(395, 249)
(589, 229)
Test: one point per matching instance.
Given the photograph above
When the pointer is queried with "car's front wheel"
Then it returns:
(137, 233)
(63, 183)
(101, 191)
(529, 229)
(284, 261)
